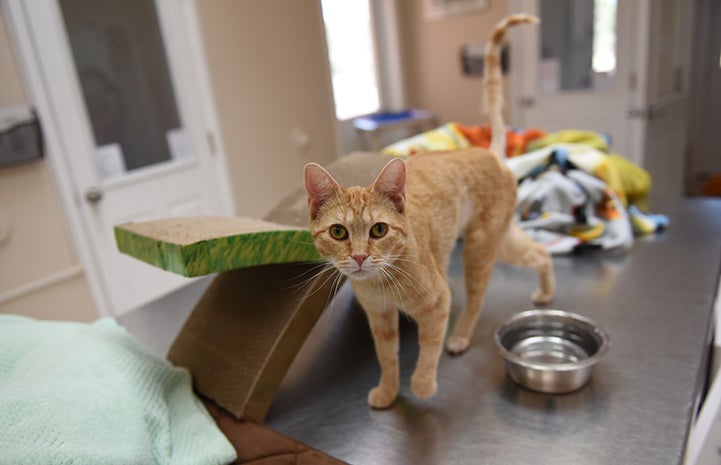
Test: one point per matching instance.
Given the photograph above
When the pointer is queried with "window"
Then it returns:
(354, 76)
(578, 45)
(604, 36)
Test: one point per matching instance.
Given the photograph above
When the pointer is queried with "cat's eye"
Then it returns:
(379, 230)
(338, 232)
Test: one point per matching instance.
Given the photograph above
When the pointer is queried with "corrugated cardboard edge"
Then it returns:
(163, 255)
(221, 253)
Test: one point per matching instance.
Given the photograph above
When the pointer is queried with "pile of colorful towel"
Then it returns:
(574, 194)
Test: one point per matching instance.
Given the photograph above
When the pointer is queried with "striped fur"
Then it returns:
(493, 80)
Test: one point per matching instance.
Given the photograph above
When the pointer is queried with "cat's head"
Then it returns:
(359, 230)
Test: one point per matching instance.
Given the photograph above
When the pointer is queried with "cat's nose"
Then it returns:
(359, 258)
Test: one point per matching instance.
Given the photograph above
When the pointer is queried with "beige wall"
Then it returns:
(270, 77)
(431, 52)
(39, 273)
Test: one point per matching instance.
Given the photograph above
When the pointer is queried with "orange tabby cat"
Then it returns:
(393, 240)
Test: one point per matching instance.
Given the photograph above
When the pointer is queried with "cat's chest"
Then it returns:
(442, 217)
(465, 211)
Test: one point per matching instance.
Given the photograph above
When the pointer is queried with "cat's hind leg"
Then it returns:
(517, 248)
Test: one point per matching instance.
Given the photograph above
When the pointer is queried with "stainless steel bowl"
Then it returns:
(551, 351)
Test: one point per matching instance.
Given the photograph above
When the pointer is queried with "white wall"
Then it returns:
(269, 71)
(432, 67)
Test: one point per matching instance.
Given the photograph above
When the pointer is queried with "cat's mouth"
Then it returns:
(359, 274)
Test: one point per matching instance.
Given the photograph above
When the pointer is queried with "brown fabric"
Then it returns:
(258, 445)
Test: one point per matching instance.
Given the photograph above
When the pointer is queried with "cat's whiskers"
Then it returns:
(319, 268)
(406, 274)
(394, 286)
(330, 300)
(385, 305)
(385, 279)
(402, 309)
(366, 271)
(332, 275)
(316, 264)
(402, 258)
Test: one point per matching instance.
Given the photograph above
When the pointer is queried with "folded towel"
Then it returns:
(73, 393)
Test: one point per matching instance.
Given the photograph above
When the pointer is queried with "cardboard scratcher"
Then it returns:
(248, 326)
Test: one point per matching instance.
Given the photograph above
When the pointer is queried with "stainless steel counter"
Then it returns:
(656, 304)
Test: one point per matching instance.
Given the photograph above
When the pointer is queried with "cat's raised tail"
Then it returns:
(493, 80)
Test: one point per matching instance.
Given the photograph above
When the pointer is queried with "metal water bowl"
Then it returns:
(551, 351)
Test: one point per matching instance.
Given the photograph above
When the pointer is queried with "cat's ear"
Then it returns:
(391, 182)
(320, 186)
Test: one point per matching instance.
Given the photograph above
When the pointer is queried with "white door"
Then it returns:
(615, 67)
(129, 125)
(661, 117)
(571, 71)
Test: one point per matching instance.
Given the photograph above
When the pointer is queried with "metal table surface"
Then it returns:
(655, 302)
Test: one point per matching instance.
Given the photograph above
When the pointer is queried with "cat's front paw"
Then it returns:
(541, 298)
(422, 387)
(381, 397)
(457, 344)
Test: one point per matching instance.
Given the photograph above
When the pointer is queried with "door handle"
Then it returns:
(650, 112)
(94, 195)
(637, 113)
(528, 102)
(656, 111)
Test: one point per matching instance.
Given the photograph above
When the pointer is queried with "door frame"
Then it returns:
(639, 60)
(58, 144)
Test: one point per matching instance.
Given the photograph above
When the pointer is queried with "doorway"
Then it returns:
(704, 163)
(365, 62)
(618, 68)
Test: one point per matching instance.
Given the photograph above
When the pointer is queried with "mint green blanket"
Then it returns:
(73, 393)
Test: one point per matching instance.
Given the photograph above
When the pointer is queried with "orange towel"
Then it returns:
(712, 188)
(516, 142)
